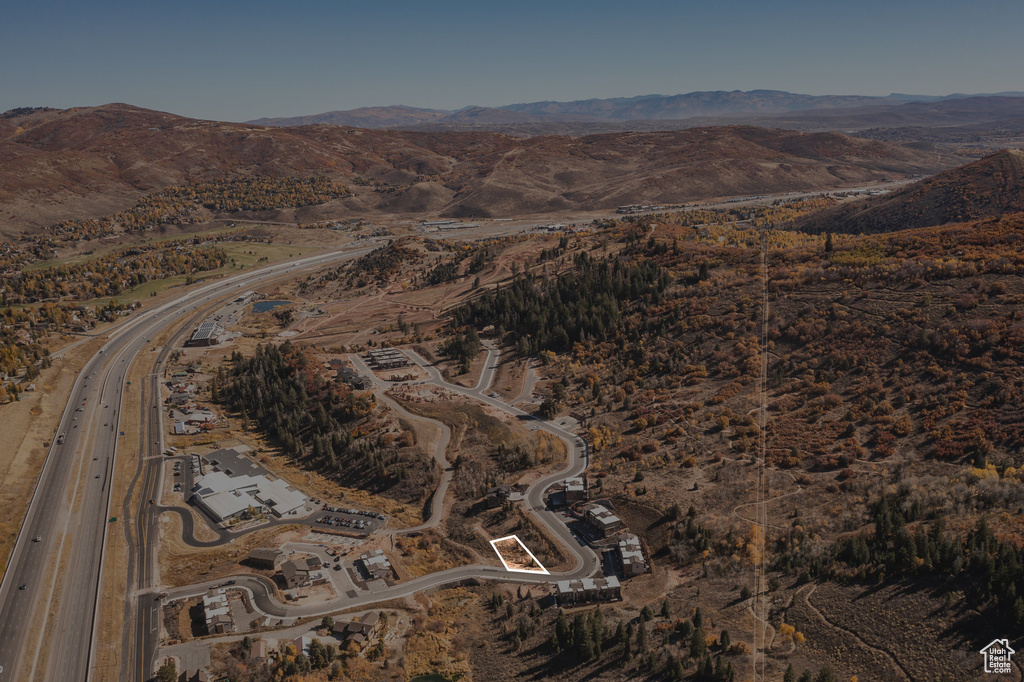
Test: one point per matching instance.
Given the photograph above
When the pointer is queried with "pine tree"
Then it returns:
(698, 645)
(826, 674)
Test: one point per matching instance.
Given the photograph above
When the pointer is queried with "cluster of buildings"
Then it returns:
(376, 565)
(191, 419)
(629, 551)
(638, 208)
(182, 393)
(388, 358)
(189, 416)
(237, 486)
(294, 572)
(348, 375)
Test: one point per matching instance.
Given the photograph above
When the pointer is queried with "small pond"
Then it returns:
(264, 306)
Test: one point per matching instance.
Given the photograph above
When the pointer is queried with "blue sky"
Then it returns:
(229, 60)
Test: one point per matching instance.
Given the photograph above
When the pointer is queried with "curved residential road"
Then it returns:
(577, 460)
(436, 507)
(71, 500)
(263, 589)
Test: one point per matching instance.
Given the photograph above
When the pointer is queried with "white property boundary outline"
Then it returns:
(541, 570)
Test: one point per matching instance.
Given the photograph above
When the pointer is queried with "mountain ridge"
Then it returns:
(990, 186)
(653, 107)
(90, 161)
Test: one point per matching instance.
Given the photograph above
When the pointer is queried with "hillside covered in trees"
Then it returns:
(109, 275)
(180, 204)
(586, 303)
(323, 425)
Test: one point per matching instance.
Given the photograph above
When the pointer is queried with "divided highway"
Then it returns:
(58, 554)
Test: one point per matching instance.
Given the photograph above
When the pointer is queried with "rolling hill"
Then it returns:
(87, 162)
(987, 187)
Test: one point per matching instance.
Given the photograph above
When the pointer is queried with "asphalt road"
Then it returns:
(577, 461)
(69, 508)
(435, 504)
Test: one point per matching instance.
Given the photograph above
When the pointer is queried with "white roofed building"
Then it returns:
(225, 497)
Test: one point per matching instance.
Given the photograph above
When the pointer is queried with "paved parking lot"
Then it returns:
(354, 520)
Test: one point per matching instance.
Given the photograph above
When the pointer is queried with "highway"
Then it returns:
(71, 501)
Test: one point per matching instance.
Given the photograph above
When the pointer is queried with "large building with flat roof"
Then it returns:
(206, 334)
(238, 484)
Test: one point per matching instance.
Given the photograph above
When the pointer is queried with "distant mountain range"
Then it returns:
(700, 108)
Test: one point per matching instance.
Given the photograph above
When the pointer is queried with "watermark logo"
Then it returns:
(997, 655)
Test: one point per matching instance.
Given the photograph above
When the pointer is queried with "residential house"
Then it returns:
(358, 633)
(354, 379)
(575, 489)
(498, 495)
(376, 565)
(602, 519)
(180, 398)
(587, 591)
(259, 650)
(267, 557)
(631, 556)
(295, 573)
